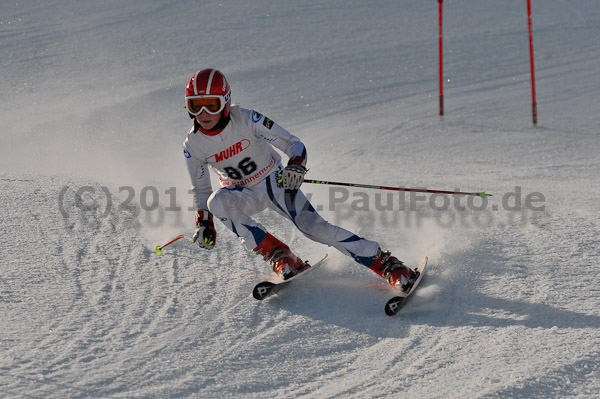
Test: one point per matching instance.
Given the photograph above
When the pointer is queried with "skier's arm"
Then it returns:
(292, 175)
(205, 235)
(279, 138)
(201, 185)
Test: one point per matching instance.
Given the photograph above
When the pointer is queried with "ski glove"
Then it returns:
(292, 176)
(205, 235)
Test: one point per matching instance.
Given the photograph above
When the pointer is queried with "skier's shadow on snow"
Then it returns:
(462, 304)
(355, 302)
(483, 310)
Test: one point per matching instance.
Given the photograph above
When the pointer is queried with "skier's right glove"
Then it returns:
(205, 235)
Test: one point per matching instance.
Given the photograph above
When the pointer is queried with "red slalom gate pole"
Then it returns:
(441, 44)
(533, 99)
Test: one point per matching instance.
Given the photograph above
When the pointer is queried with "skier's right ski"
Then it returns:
(266, 289)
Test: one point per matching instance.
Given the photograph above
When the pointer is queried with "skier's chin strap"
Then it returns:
(215, 130)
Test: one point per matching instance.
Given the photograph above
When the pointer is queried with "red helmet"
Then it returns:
(208, 84)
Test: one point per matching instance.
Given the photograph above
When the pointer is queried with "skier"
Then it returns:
(238, 144)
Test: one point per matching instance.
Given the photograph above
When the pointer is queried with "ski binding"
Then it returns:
(266, 289)
(394, 305)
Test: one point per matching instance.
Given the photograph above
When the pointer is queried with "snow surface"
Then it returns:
(91, 102)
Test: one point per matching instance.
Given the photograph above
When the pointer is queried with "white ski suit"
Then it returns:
(247, 165)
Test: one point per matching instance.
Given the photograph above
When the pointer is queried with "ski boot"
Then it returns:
(397, 273)
(282, 259)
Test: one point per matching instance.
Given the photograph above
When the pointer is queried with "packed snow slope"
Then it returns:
(93, 178)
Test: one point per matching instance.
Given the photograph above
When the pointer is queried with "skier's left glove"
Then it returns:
(205, 235)
(292, 176)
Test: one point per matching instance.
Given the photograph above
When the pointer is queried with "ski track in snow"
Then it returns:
(508, 307)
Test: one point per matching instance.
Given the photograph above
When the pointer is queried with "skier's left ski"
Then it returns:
(266, 289)
(394, 305)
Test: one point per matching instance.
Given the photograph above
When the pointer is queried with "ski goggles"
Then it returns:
(212, 104)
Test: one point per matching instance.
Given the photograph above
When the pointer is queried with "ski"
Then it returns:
(394, 305)
(266, 289)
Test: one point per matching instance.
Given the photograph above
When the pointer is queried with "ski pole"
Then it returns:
(481, 194)
(159, 248)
